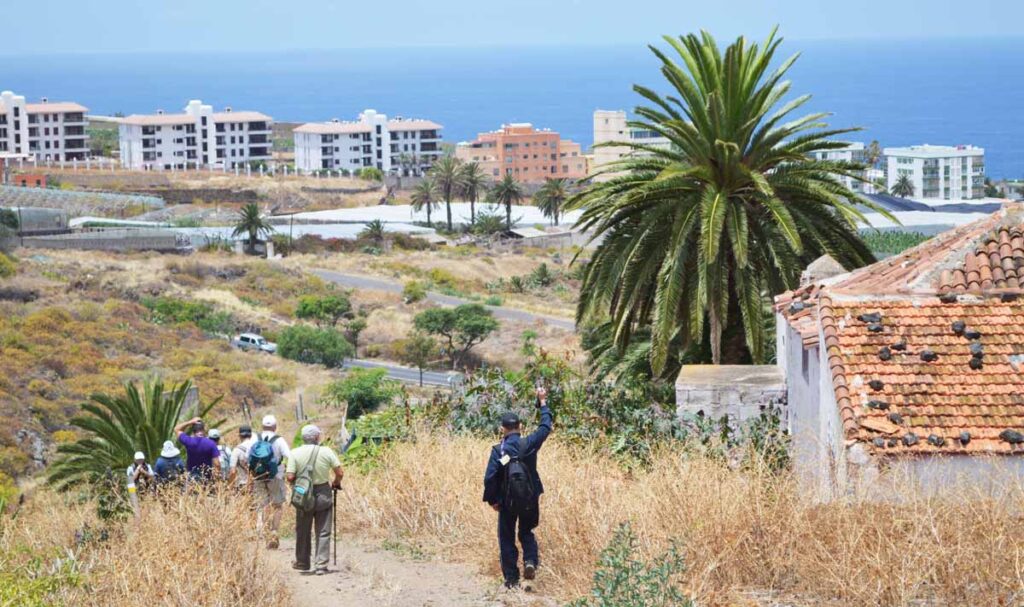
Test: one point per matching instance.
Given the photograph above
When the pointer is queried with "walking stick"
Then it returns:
(334, 523)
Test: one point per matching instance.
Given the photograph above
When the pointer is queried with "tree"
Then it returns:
(507, 192)
(249, 221)
(904, 187)
(306, 344)
(873, 153)
(323, 310)
(551, 198)
(474, 181)
(991, 191)
(353, 328)
(695, 238)
(363, 390)
(463, 327)
(118, 426)
(424, 196)
(448, 177)
(8, 219)
(418, 350)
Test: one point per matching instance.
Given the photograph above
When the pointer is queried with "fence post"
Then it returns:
(300, 413)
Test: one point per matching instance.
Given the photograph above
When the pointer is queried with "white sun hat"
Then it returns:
(269, 420)
(169, 450)
(139, 455)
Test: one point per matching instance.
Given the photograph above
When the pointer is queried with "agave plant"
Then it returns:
(117, 427)
(698, 235)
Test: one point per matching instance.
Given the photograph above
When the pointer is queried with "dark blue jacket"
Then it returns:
(168, 468)
(494, 477)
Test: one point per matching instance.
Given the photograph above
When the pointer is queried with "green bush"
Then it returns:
(310, 345)
(493, 300)
(7, 267)
(624, 579)
(325, 310)
(170, 310)
(364, 390)
(414, 291)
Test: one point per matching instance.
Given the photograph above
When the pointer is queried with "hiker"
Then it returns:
(168, 466)
(140, 474)
(309, 471)
(223, 454)
(512, 487)
(266, 455)
(202, 457)
(238, 466)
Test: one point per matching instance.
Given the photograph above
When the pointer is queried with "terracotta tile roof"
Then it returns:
(958, 297)
(935, 401)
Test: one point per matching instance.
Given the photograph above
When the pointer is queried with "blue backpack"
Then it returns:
(262, 465)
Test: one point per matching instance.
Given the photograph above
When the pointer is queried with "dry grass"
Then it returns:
(186, 549)
(743, 533)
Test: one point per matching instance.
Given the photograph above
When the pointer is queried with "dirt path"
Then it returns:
(367, 574)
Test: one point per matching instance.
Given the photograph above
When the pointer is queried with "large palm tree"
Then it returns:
(117, 427)
(551, 198)
(507, 192)
(424, 196)
(904, 187)
(697, 237)
(474, 182)
(448, 177)
(249, 221)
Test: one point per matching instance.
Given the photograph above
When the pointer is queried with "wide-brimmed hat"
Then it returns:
(169, 450)
(139, 455)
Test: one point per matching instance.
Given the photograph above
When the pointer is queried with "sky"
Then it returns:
(72, 26)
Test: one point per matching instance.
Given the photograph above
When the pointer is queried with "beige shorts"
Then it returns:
(269, 492)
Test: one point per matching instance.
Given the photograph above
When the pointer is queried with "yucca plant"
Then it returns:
(698, 235)
(117, 427)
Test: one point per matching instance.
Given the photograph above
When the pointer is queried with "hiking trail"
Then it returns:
(369, 574)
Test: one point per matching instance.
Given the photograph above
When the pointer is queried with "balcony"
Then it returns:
(75, 144)
(259, 127)
(74, 130)
(259, 152)
(148, 130)
(428, 147)
(259, 139)
(74, 117)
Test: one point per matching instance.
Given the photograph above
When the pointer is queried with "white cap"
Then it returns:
(215, 433)
(269, 420)
(310, 432)
(140, 455)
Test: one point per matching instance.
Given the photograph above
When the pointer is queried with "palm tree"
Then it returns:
(249, 221)
(474, 181)
(448, 177)
(117, 427)
(904, 187)
(424, 195)
(551, 198)
(374, 230)
(873, 153)
(507, 192)
(695, 238)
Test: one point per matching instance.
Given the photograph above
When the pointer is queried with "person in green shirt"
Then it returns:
(326, 461)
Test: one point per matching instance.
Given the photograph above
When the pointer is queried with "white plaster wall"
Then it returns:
(802, 370)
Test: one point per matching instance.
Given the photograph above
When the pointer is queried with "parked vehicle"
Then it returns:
(251, 341)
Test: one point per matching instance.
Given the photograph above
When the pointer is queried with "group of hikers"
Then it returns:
(263, 464)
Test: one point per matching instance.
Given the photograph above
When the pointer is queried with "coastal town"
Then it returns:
(757, 358)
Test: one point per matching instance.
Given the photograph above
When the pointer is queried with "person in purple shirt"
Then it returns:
(202, 454)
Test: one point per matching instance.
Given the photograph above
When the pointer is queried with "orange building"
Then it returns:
(525, 153)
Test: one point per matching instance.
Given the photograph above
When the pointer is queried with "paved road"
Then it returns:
(391, 286)
(406, 374)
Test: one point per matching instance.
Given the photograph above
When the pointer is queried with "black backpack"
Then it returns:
(520, 496)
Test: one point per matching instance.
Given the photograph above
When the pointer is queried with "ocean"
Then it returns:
(901, 92)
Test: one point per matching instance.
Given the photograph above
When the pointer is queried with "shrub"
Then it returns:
(414, 291)
(310, 345)
(169, 310)
(623, 579)
(7, 267)
(324, 310)
(493, 300)
(364, 390)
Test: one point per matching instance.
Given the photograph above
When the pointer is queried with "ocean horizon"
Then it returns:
(901, 92)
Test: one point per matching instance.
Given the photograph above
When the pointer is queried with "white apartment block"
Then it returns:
(396, 146)
(938, 171)
(854, 152)
(45, 131)
(197, 137)
(612, 126)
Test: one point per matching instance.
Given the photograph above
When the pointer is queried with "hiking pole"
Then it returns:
(334, 522)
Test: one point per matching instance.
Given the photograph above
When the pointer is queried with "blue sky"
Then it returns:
(200, 25)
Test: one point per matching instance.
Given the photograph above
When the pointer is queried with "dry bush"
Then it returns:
(743, 532)
(184, 549)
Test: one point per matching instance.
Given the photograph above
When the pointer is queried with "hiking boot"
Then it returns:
(321, 571)
(529, 570)
(511, 584)
(299, 566)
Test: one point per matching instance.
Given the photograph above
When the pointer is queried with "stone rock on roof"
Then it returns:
(820, 269)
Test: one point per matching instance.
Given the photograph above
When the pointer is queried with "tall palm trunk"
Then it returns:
(508, 214)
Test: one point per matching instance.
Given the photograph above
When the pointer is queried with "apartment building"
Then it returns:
(854, 152)
(528, 154)
(198, 136)
(396, 146)
(44, 131)
(611, 126)
(938, 171)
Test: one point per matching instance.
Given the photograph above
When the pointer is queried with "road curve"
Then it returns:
(407, 374)
(392, 286)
